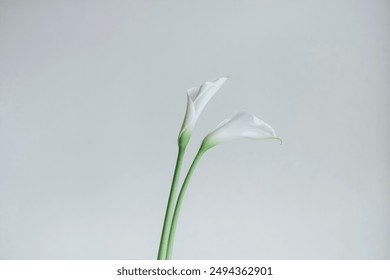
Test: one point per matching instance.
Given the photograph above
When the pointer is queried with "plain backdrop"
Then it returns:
(93, 94)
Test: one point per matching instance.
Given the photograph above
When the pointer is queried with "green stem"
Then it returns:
(180, 201)
(170, 207)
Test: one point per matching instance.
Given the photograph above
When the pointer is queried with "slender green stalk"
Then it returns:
(170, 207)
(180, 201)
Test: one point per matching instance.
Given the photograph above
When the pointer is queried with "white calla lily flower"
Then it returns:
(197, 99)
(241, 125)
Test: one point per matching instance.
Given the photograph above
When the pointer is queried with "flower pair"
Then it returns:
(241, 125)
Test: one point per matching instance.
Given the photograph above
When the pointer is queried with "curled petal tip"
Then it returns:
(279, 139)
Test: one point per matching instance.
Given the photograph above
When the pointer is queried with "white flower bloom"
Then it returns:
(241, 125)
(197, 99)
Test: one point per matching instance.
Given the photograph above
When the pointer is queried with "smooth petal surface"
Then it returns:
(241, 125)
(198, 97)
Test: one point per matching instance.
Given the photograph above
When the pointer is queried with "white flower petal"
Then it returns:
(198, 97)
(206, 92)
(241, 125)
(193, 92)
(190, 116)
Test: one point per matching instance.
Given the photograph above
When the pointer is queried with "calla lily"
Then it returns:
(197, 99)
(241, 125)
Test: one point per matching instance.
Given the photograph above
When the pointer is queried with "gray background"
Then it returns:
(93, 94)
